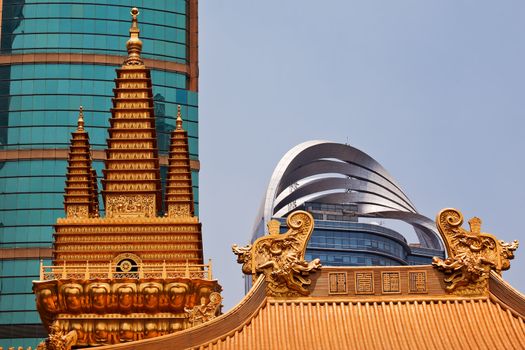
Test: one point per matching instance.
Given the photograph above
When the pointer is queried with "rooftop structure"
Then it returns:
(349, 194)
(333, 173)
(455, 303)
(137, 272)
(55, 56)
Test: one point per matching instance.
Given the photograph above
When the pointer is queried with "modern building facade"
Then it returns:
(339, 239)
(54, 57)
(349, 194)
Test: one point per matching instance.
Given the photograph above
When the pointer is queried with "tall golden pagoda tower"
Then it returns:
(135, 273)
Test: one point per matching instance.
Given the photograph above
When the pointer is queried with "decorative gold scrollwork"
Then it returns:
(471, 254)
(205, 311)
(58, 339)
(280, 257)
(102, 311)
(130, 206)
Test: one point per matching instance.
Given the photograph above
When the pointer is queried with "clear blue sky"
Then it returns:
(433, 90)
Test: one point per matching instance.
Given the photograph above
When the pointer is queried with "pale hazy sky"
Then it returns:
(433, 90)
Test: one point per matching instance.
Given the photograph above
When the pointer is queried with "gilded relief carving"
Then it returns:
(206, 311)
(73, 297)
(337, 283)
(125, 295)
(471, 254)
(417, 282)
(280, 257)
(130, 205)
(47, 301)
(58, 339)
(81, 306)
(150, 295)
(364, 282)
(122, 296)
(178, 210)
(176, 294)
(99, 296)
(390, 282)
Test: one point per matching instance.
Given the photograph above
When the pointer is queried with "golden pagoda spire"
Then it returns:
(179, 190)
(130, 274)
(78, 197)
(134, 44)
(179, 119)
(94, 194)
(131, 183)
(80, 121)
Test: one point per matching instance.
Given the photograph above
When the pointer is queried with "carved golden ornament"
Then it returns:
(80, 122)
(130, 205)
(178, 210)
(179, 119)
(58, 339)
(205, 311)
(134, 44)
(280, 257)
(88, 312)
(77, 211)
(471, 254)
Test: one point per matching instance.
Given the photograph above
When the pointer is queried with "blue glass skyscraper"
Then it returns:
(54, 57)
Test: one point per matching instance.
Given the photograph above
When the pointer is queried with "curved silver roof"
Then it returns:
(329, 172)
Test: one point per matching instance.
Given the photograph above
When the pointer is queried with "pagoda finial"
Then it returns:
(134, 44)
(80, 122)
(179, 119)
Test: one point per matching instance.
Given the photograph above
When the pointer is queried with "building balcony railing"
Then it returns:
(112, 271)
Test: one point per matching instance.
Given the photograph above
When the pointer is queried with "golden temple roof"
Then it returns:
(459, 303)
(351, 321)
(136, 279)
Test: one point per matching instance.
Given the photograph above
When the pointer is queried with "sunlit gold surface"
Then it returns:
(80, 198)
(280, 257)
(471, 254)
(434, 319)
(134, 44)
(114, 310)
(135, 273)
(179, 192)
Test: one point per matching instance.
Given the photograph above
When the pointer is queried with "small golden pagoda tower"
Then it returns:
(135, 273)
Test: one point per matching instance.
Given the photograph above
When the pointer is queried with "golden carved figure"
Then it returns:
(78, 305)
(206, 310)
(280, 257)
(48, 299)
(99, 296)
(471, 254)
(126, 332)
(57, 339)
(126, 297)
(150, 294)
(74, 297)
(177, 295)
